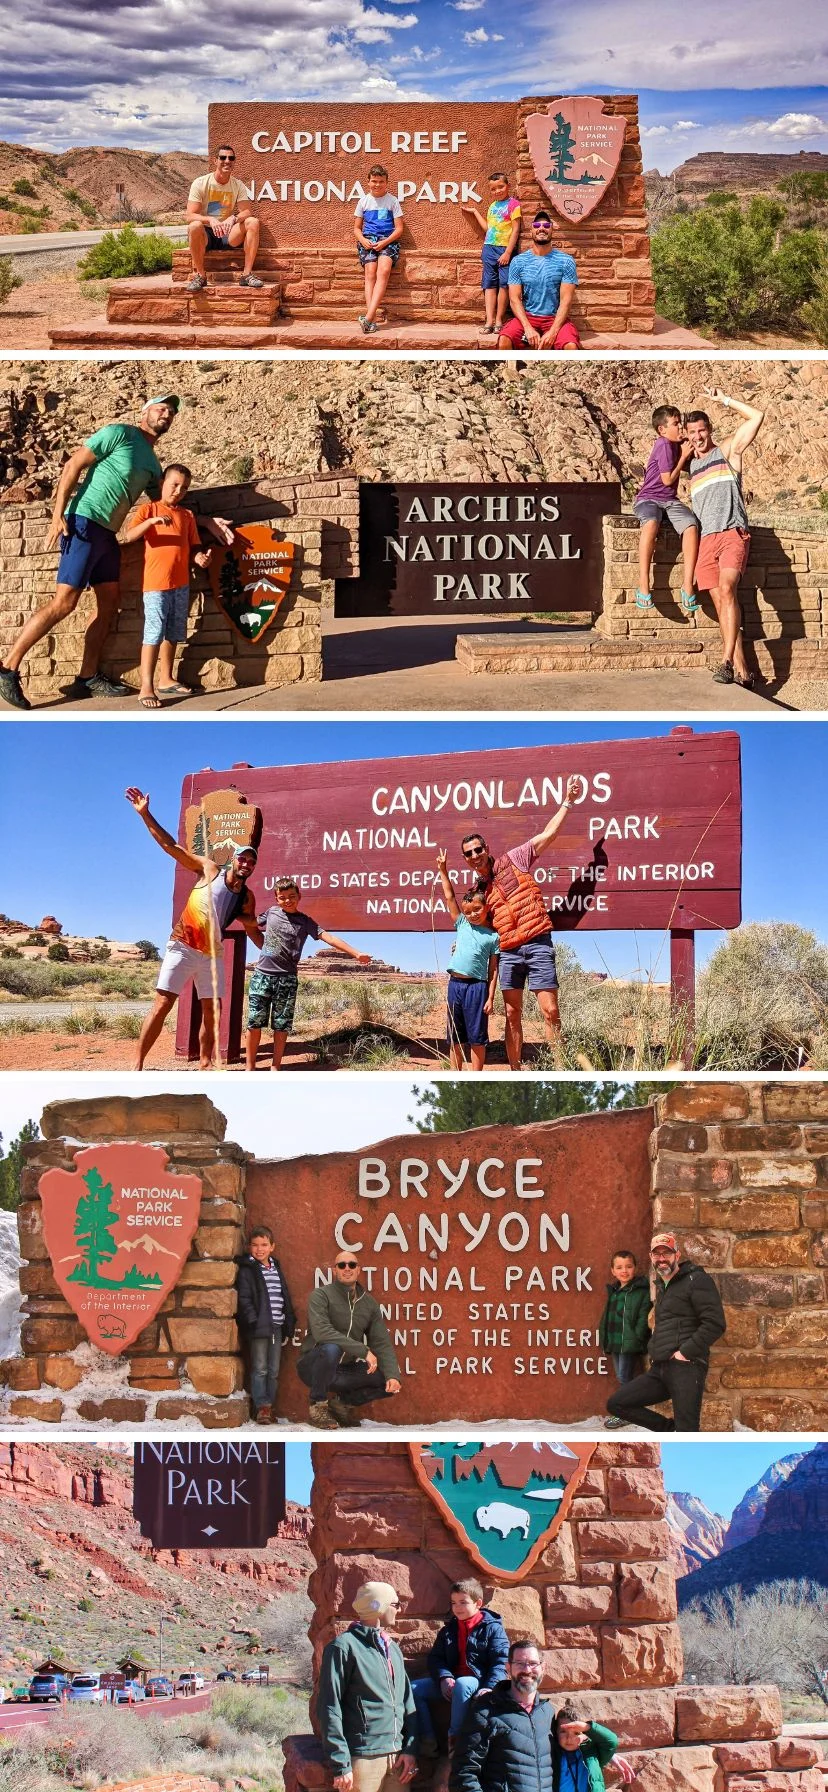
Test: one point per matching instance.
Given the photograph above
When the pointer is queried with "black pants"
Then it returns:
(682, 1383)
(323, 1371)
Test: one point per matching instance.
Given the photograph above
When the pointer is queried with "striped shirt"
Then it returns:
(716, 493)
(273, 1283)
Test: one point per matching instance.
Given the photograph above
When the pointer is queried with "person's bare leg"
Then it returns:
(41, 623)
(107, 599)
(197, 235)
(149, 660)
(647, 538)
(502, 303)
(162, 1006)
(383, 275)
(251, 1048)
(490, 303)
(207, 1033)
(370, 272)
(279, 1043)
(729, 615)
(251, 243)
(689, 556)
(513, 1004)
(547, 1000)
(478, 1057)
(456, 1056)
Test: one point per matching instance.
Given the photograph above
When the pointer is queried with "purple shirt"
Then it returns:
(663, 458)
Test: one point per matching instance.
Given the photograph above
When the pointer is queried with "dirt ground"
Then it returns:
(57, 300)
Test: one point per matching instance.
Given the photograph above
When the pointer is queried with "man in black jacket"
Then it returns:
(506, 1738)
(689, 1317)
(265, 1318)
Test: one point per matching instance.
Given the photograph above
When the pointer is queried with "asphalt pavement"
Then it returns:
(77, 239)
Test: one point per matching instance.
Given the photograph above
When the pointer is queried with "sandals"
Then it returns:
(196, 284)
(173, 690)
(724, 673)
(149, 702)
(368, 329)
(643, 601)
(688, 601)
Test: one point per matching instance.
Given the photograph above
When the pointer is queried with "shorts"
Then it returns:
(271, 1000)
(89, 554)
(567, 336)
(165, 615)
(467, 1022)
(214, 241)
(534, 962)
(392, 250)
(649, 510)
(492, 273)
(725, 550)
(182, 965)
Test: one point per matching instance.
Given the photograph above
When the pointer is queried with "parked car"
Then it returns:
(159, 1687)
(190, 1683)
(131, 1693)
(45, 1687)
(255, 1677)
(226, 1674)
(85, 1689)
(20, 1694)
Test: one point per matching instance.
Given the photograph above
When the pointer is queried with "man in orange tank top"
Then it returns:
(518, 911)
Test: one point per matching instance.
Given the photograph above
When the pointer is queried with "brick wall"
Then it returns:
(740, 1173)
(186, 1362)
(320, 514)
(784, 593)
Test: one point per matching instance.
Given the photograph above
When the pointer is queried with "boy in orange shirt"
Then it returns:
(171, 537)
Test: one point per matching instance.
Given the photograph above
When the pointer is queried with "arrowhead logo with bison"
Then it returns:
(503, 1502)
(118, 1229)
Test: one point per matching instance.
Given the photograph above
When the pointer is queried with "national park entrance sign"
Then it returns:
(653, 841)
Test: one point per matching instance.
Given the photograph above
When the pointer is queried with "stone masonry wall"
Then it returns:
(784, 593)
(319, 513)
(600, 1603)
(740, 1173)
(186, 1363)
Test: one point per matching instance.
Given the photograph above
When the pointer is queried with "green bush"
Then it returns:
(24, 188)
(815, 313)
(735, 270)
(8, 278)
(149, 952)
(121, 254)
(57, 952)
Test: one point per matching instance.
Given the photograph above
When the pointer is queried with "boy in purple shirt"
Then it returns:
(657, 498)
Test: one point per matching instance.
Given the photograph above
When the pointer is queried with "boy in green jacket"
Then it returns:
(365, 1705)
(624, 1328)
(580, 1752)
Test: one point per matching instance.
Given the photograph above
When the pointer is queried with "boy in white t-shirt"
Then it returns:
(378, 226)
(220, 216)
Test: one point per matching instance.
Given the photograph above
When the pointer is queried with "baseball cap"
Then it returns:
(170, 398)
(239, 850)
(668, 1239)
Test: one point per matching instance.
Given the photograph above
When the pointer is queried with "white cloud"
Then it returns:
(791, 124)
(696, 47)
(686, 124)
(681, 126)
(466, 5)
(481, 36)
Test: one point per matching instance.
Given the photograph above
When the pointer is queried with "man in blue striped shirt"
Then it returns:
(265, 1317)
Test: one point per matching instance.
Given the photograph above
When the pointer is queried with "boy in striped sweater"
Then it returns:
(265, 1317)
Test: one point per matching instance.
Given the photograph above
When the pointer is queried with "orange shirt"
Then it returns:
(167, 546)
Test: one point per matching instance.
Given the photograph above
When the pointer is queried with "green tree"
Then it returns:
(148, 951)
(561, 144)
(736, 270)
(11, 1163)
(94, 1218)
(8, 278)
(453, 1107)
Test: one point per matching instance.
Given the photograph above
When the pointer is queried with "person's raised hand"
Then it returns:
(716, 394)
(442, 859)
(363, 958)
(139, 801)
(225, 529)
(573, 785)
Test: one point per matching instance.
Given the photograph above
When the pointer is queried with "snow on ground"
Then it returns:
(10, 1314)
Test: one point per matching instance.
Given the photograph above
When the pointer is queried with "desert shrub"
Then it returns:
(241, 470)
(122, 254)
(57, 952)
(85, 1020)
(128, 1026)
(24, 188)
(765, 992)
(284, 1628)
(9, 280)
(735, 270)
(40, 978)
(148, 951)
(779, 1633)
(815, 313)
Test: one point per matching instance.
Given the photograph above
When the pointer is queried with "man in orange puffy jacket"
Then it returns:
(518, 910)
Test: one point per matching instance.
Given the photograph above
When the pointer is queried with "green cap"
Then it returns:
(170, 398)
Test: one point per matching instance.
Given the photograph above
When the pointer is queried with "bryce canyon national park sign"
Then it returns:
(118, 1229)
(487, 1250)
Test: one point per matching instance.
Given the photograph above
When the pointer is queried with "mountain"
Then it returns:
(748, 1516)
(789, 1543)
(696, 1534)
(39, 191)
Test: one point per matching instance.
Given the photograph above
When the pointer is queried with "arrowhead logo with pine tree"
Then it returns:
(94, 1218)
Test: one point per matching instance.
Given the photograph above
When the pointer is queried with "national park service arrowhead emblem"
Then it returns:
(575, 148)
(220, 825)
(118, 1229)
(503, 1502)
(252, 578)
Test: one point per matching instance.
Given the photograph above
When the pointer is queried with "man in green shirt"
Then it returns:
(97, 488)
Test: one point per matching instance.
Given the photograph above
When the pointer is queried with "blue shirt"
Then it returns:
(540, 277)
(473, 947)
(378, 216)
(574, 1771)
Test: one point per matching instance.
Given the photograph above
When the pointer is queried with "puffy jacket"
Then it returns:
(487, 1650)
(253, 1306)
(365, 1705)
(623, 1329)
(516, 905)
(502, 1746)
(351, 1318)
(689, 1315)
(596, 1752)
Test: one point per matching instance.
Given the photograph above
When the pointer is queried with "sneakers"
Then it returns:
(196, 284)
(724, 673)
(321, 1416)
(98, 686)
(368, 329)
(614, 1424)
(251, 280)
(11, 690)
(342, 1412)
(264, 1415)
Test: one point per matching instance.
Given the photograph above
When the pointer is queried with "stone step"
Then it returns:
(586, 651)
(296, 333)
(161, 302)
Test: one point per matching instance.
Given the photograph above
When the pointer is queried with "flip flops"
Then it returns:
(643, 601)
(688, 601)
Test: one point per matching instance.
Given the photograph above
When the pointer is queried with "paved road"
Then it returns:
(112, 1008)
(17, 1717)
(76, 239)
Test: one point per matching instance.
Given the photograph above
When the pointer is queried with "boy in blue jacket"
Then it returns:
(468, 1658)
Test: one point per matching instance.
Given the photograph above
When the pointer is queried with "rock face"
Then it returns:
(716, 171)
(789, 1543)
(748, 1517)
(697, 1534)
(80, 185)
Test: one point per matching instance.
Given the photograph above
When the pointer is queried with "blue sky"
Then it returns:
(718, 1472)
(80, 853)
(740, 77)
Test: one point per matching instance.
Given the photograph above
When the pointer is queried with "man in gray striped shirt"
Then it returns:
(266, 1319)
(719, 506)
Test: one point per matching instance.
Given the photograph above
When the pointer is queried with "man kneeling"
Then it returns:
(347, 1358)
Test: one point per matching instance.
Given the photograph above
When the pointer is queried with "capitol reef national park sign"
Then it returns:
(118, 1229)
(488, 1251)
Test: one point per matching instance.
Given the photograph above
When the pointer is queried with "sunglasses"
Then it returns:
(541, 227)
(350, 1264)
(473, 852)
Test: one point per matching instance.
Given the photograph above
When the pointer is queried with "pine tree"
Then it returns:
(452, 1107)
(94, 1218)
(561, 144)
(11, 1163)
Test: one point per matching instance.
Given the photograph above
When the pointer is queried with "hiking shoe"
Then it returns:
(320, 1415)
(196, 284)
(11, 690)
(264, 1415)
(342, 1412)
(251, 280)
(614, 1424)
(724, 673)
(99, 686)
(368, 329)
